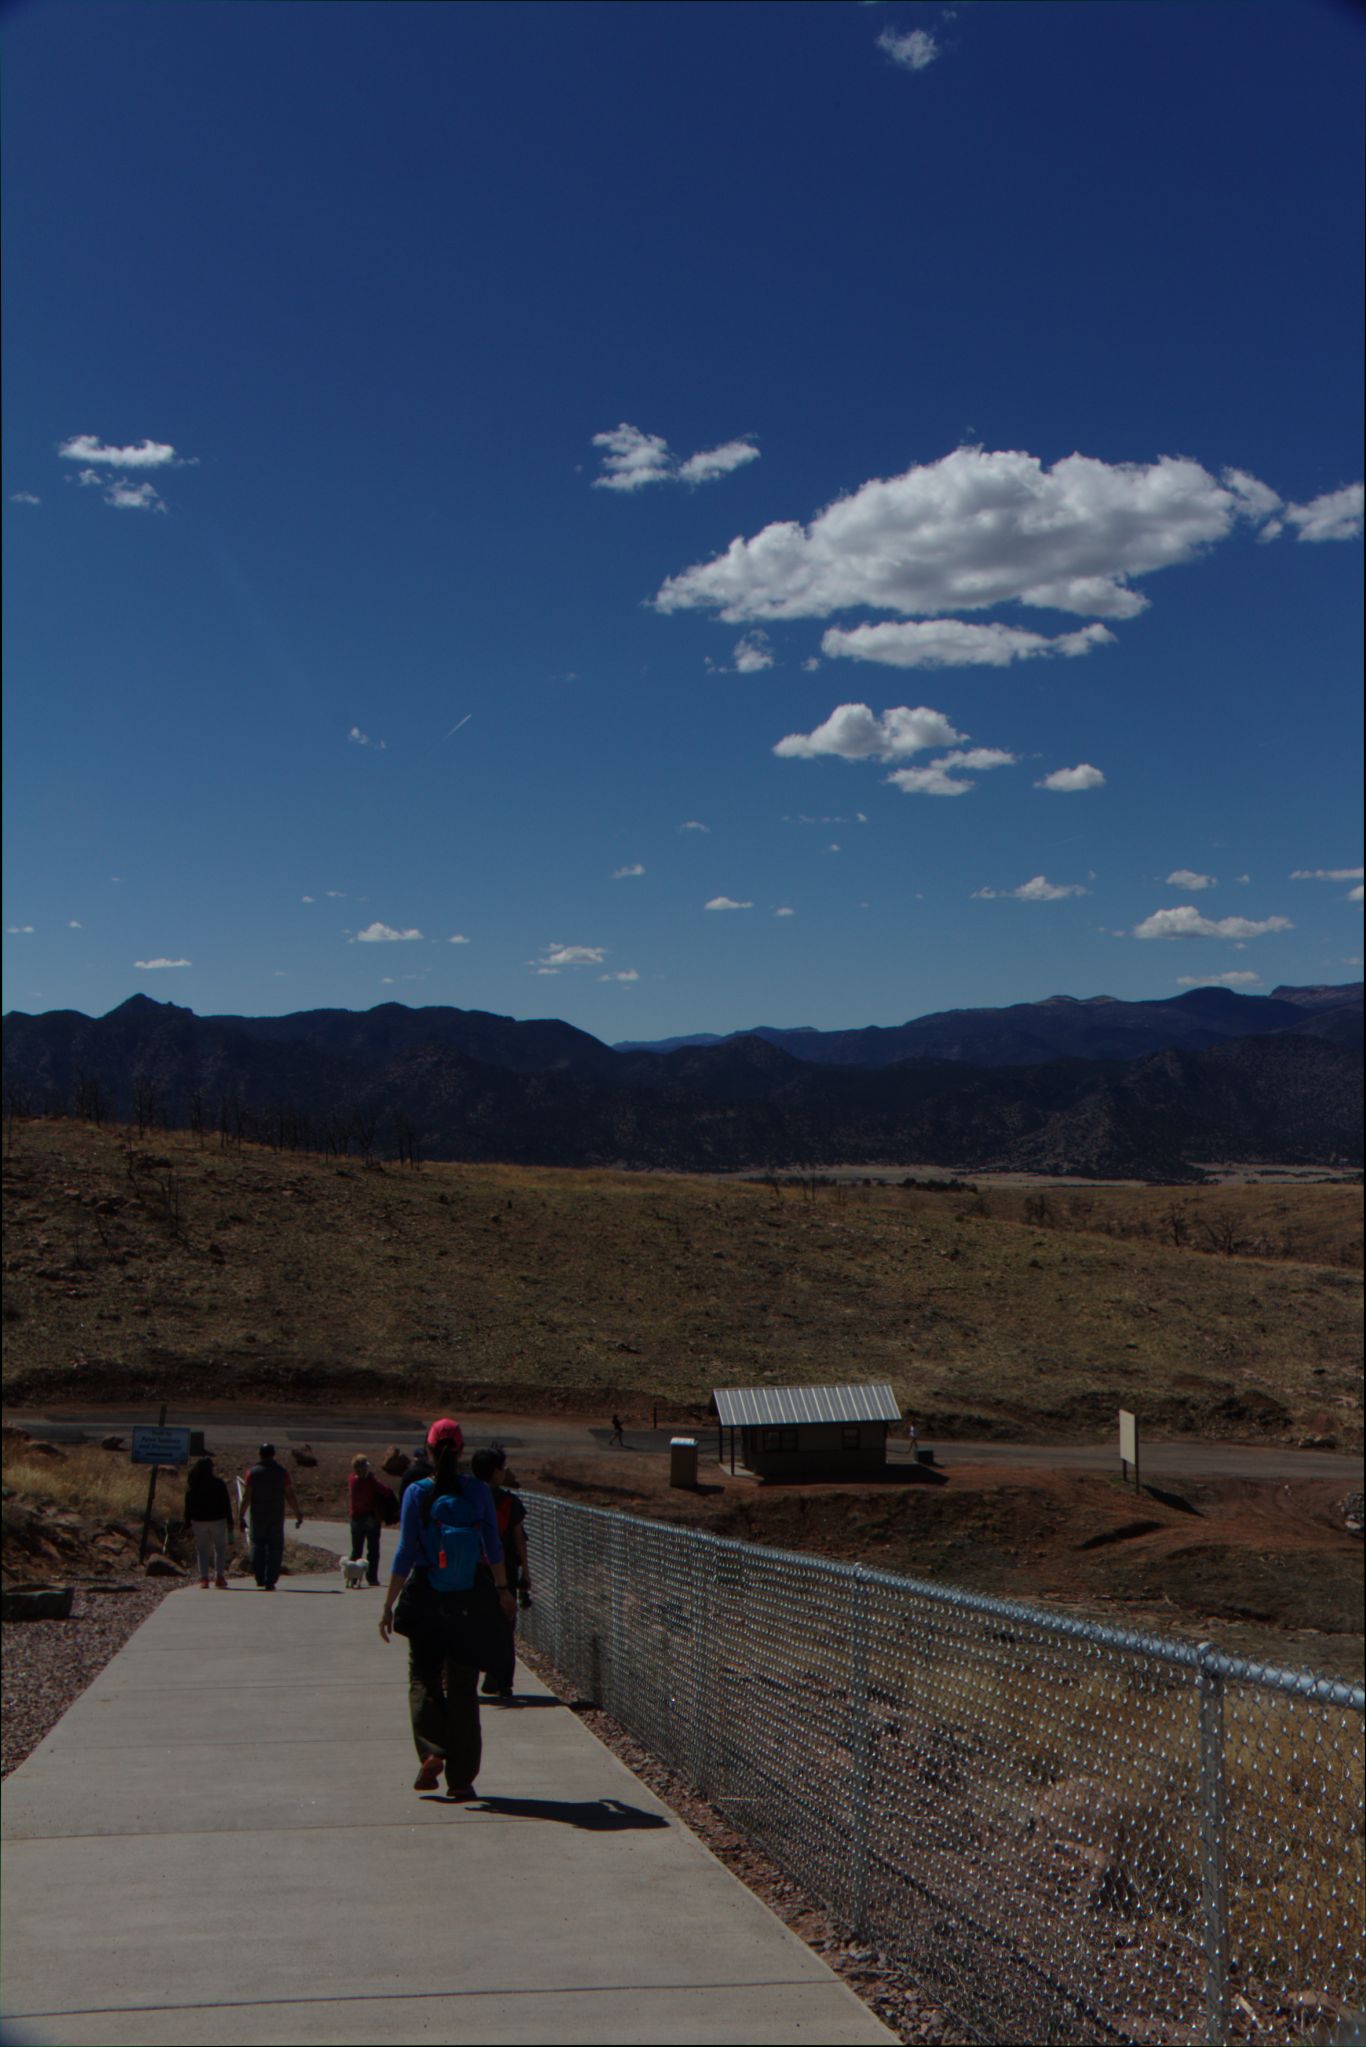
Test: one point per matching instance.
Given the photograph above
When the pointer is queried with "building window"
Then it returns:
(849, 1439)
(780, 1439)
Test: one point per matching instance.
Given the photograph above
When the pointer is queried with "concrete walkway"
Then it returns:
(220, 1842)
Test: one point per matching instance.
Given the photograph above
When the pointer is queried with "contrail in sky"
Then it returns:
(455, 728)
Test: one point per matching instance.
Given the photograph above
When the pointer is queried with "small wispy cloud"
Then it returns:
(1039, 889)
(24, 497)
(19, 930)
(954, 643)
(74, 924)
(1354, 895)
(1067, 780)
(784, 911)
(144, 455)
(945, 777)
(308, 899)
(1187, 878)
(912, 49)
(693, 825)
(555, 956)
(457, 938)
(359, 738)
(1187, 922)
(752, 653)
(1336, 515)
(632, 459)
(1241, 977)
(134, 497)
(152, 965)
(1327, 874)
(626, 974)
(726, 903)
(384, 934)
(627, 873)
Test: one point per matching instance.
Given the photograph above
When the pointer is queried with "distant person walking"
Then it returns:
(492, 1466)
(618, 1432)
(419, 1468)
(268, 1491)
(448, 1584)
(912, 1437)
(365, 1502)
(209, 1513)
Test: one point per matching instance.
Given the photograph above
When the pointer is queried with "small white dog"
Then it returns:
(353, 1571)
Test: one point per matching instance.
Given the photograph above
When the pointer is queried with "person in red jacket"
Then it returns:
(366, 1506)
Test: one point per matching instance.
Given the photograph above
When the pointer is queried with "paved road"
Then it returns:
(220, 1842)
(1184, 1458)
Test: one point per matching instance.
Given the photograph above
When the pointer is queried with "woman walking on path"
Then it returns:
(448, 1532)
(364, 1498)
(209, 1513)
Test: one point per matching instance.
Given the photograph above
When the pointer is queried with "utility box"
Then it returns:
(683, 1462)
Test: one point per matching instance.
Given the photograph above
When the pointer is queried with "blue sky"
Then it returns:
(680, 517)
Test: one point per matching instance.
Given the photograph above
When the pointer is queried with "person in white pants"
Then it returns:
(209, 1513)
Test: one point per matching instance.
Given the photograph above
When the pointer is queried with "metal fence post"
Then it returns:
(860, 1758)
(1213, 1828)
(704, 1700)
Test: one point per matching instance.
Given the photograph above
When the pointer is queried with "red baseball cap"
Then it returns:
(445, 1431)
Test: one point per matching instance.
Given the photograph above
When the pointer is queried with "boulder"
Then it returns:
(36, 1603)
(162, 1567)
(112, 1443)
(304, 1455)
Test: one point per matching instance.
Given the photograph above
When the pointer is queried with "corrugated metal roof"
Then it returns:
(741, 1407)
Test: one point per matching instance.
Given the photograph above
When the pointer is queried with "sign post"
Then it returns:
(1128, 1445)
(157, 1446)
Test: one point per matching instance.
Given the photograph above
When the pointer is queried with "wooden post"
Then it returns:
(151, 1495)
(1128, 1445)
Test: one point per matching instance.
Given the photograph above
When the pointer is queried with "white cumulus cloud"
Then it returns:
(1067, 780)
(146, 454)
(457, 938)
(1187, 878)
(854, 732)
(152, 964)
(975, 529)
(953, 643)
(631, 459)
(912, 49)
(1354, 895)
(384, 934)
(1187, 922)
(627, 873)
(1039, 889)
(727, 903)
(1241, 977)
(24, 497)
(626, 974)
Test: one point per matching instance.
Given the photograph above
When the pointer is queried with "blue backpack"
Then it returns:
(451, 1537)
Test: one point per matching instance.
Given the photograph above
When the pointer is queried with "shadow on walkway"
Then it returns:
(593, 1815)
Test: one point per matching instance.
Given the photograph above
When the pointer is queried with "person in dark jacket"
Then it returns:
(209, 1513)
(365, 1502)
(420, 1468)
(491, 1466)
(268, 1491)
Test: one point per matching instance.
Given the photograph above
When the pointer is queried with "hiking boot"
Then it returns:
(429, 1774)
(221, 1583)
(203, 1584)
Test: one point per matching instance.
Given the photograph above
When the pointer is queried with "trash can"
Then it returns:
(683, 1461)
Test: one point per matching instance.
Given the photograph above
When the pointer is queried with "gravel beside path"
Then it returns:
(875, 1977)
(48, 1664)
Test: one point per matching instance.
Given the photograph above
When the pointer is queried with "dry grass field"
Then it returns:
(171, 1267)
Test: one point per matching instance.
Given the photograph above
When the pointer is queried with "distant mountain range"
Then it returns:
(1097, 1087)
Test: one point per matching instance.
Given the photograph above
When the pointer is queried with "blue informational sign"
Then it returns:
(161, 1446)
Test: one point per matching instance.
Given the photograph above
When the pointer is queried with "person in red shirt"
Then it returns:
(365, 1502)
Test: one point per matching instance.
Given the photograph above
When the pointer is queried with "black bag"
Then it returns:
(467, 1625)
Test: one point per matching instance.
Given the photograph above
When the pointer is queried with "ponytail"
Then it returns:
(446, 1470)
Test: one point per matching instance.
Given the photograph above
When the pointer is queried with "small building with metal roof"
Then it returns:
(805, 1431)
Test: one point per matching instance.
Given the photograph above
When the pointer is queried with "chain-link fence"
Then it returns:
(1063, 1831)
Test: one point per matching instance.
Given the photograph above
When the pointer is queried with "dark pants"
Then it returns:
(503, 1668)
(267, 1553)
(443, 1698)
(365, 1536)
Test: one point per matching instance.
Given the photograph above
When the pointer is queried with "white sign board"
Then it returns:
(1128, 1436)
(161, 1446)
